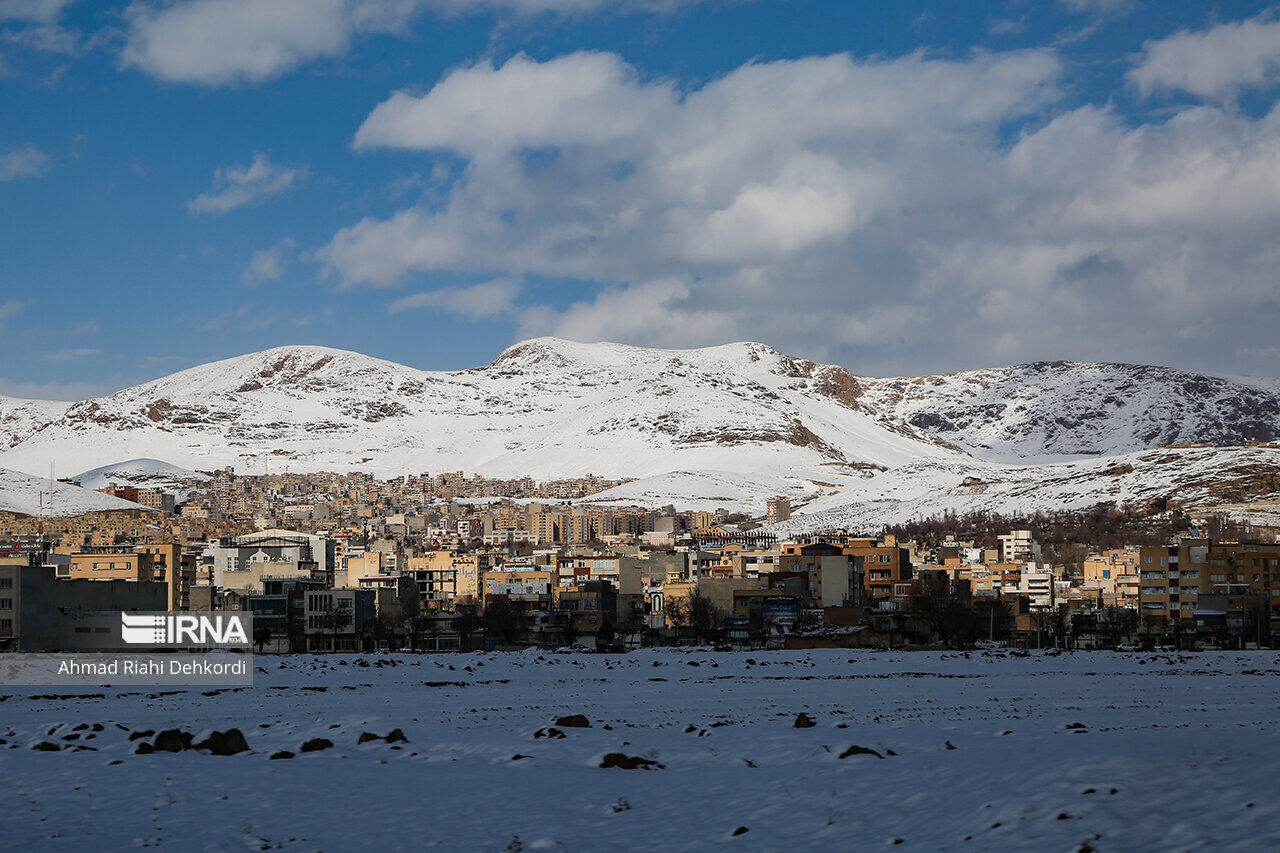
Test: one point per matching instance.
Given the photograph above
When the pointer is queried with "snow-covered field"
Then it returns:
(1083, 751)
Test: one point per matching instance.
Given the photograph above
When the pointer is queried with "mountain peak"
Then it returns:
(561, 352)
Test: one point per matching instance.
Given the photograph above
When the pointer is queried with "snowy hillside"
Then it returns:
(1186, 477)
(1049, 411)
(20, 419)
(27, 495)
(548, 408)
(142, 474)
(718, 426)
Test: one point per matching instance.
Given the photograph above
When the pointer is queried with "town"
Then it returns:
(351, 563)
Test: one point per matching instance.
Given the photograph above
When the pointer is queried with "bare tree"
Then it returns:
(631, 624)
(338, 618)
(952, 618)
(679, 613)
(466, 623)
(410, 605)
(696, 611)
(504, 619)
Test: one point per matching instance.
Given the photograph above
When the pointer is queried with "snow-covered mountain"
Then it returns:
(728, 424)
(27, 495)
(143, 474)
(20, 419)
(1054, 410)
(547, 408)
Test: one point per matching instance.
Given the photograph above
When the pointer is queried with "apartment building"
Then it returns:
(338, 619)
(1017, 546)
(42, 612)
(777, 508)
(1185, 588)
(446, 578)
(237, 562)
(624, 573)
(164, 563)
(886, 568)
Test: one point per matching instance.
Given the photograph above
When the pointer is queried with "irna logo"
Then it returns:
(178, 629)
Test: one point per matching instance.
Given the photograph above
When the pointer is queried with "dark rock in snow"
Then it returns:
(229, 742)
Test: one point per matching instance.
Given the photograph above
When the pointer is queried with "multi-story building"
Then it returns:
(42, 612)
(1176, 584)
(338, 619)
(1017, 546)
(165, 563)
(887, 569)
(448, 578)
(242, 562)
(777, 508)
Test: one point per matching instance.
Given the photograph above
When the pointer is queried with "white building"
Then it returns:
(1017, 546)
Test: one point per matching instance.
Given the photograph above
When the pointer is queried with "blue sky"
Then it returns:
(896, 187)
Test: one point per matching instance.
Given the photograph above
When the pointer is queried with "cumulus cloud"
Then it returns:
(1214, 64)
(32, 26)
(268, 264)
(879, 212)
(237, 186)
(32, 11)
(22, 162)
(218, 42)
(482, 301)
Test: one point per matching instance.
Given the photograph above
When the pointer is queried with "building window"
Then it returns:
(6, 583)
(6, 603)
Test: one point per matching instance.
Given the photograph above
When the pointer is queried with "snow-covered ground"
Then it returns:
(28, 495)
(1197, 476)
(1083, 751)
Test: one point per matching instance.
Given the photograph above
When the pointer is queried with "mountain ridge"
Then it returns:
(743, 414)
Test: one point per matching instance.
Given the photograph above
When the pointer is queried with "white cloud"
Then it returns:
(11, 308)
(268, 264)
(479, 301)
(659, 313)
(28, 390)
(71, 354)
(228, 41)
(521, 104)
(637, 180)
(32, 11)
(1099, 7)
(46, 38)
(237, 186)
(22, 162)
(219, 42)
(1215, 64)
(877, 212)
